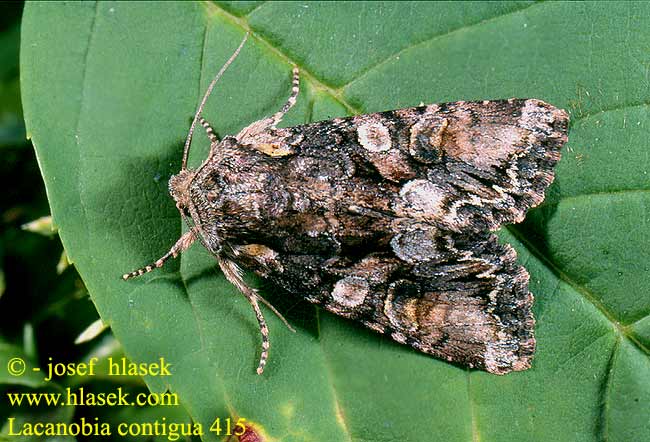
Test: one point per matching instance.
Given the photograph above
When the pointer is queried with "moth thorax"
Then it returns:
(179, 187)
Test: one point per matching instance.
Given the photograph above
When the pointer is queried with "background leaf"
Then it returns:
(29, 382)
(12, 130)
(109, 90)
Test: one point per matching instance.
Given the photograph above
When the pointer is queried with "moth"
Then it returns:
(384, 218)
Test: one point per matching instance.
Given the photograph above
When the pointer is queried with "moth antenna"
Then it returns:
(295, 89)
(188, 141)
(181, 245)
(208, 129)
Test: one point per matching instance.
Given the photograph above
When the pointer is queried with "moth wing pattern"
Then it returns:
(465, 165)
(385, 218)
(468, 303)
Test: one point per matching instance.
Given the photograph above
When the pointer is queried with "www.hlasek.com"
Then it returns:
(80, 397)
(71, 397)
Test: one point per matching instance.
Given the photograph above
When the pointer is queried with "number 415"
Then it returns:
(240, 427)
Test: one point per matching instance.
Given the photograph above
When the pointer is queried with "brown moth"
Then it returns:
(383, 218)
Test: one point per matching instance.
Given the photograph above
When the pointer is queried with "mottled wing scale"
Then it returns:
(468, 165)
(384, 218)
(468, 304)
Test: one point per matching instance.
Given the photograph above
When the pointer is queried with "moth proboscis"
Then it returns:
(384, 218)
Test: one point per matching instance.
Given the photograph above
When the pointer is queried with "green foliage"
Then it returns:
(109, 90)
(12, 130)
(30, 381)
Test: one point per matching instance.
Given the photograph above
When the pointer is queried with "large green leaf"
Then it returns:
(109, 90)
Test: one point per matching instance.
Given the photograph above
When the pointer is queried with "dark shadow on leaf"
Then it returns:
(533, 230)
(150, 223)
(301, 314)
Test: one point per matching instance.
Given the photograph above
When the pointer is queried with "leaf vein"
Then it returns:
(317, 83)
(603, 426)
(609, 193)
(603, 110)
(339, 414)
(252, 11)
(430, 39)
(581, 290)
(82, 100)
(476, 437)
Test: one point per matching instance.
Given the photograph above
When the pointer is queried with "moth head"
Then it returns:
(179, 187)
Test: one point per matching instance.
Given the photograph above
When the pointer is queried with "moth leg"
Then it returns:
(208, 129)
(264, 330)
(295, 89)
(181, 245)
(233, 273)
